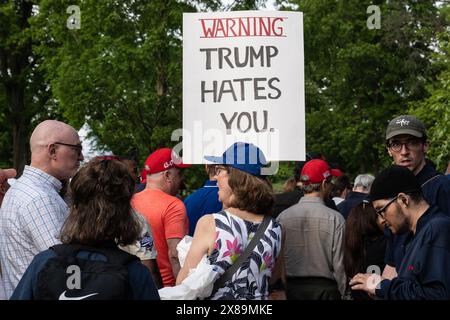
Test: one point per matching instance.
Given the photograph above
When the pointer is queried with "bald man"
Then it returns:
(32, 212)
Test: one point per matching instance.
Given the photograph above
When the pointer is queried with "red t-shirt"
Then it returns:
(168, 219)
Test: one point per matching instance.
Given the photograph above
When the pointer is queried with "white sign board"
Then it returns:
(243, 81)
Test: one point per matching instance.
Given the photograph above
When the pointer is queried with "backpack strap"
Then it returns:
(248, 250)
(112, 253)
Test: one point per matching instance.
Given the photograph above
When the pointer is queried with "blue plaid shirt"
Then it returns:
(31, 217)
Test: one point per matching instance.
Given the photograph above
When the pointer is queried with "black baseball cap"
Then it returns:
(393, 180)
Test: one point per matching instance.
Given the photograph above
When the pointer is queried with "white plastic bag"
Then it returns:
(198, 284)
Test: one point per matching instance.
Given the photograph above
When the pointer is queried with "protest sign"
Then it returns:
(243, 80)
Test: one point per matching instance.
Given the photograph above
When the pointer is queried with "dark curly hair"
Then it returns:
(101, 211)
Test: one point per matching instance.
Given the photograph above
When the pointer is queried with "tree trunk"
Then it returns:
(16, 100)
(15, 65)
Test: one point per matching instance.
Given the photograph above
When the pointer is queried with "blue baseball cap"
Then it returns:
(242, 156)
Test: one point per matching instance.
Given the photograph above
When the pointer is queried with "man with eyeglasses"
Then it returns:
(33, 211)
(423, 273)
(407, 144)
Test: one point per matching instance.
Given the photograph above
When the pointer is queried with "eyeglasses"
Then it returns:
(218, 169)
(409, 144)
(78, 148)
(380, 211)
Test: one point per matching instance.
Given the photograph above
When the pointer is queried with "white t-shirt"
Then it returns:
(144, 248)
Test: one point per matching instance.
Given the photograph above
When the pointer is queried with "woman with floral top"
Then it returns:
(247, 198)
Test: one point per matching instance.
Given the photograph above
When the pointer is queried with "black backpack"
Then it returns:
(67, 277)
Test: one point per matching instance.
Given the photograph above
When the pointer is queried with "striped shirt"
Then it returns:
(31, 217)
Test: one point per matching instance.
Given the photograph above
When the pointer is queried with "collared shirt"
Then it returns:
(31, 217)
(203, 201)
(314, 241)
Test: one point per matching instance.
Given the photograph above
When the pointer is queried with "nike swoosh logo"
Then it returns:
(63, 296)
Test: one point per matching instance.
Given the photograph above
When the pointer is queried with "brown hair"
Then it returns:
(251, 193)
(101, 211)
(290, 185)
(361, 225)
(210, 169)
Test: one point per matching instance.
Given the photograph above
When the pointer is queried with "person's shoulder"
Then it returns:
(288, 196)
(196, 195)
(135, 267)
(26, 193)
(42, 257)
(437, 230)
(335, 214)
(174, 201)
(206, 219)
(443, 180)
(440, 220)
(205, 222)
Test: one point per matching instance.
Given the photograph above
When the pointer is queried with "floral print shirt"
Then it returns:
(251, 280)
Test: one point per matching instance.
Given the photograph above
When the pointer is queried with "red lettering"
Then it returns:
(242, 27)
(208, 32)
(231, 27)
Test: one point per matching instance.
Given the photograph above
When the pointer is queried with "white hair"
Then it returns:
(363, 181)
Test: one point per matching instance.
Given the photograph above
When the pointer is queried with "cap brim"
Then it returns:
(336, 172)
(183, 165)
(218, 160)
(414, 133)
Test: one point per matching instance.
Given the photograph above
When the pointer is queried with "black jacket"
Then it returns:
(351, 201)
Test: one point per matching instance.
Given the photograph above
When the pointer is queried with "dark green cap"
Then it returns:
(405, 125)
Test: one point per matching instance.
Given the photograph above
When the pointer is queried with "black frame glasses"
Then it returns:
(77, 147)
(409, 144)
(380, 211)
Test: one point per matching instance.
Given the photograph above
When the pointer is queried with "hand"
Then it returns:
(367, 282)
(5, 174)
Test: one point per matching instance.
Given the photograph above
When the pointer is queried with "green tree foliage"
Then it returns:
(435, 110)
(358, 79)
(120, 72)
(23, 92)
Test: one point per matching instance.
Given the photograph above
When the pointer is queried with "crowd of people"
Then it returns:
(100, 232)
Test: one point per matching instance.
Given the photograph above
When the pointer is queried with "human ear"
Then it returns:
(52, 151)
(404, 199)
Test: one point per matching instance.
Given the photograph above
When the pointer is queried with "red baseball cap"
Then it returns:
(160, 160)
(336, 172)
(316, 171)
